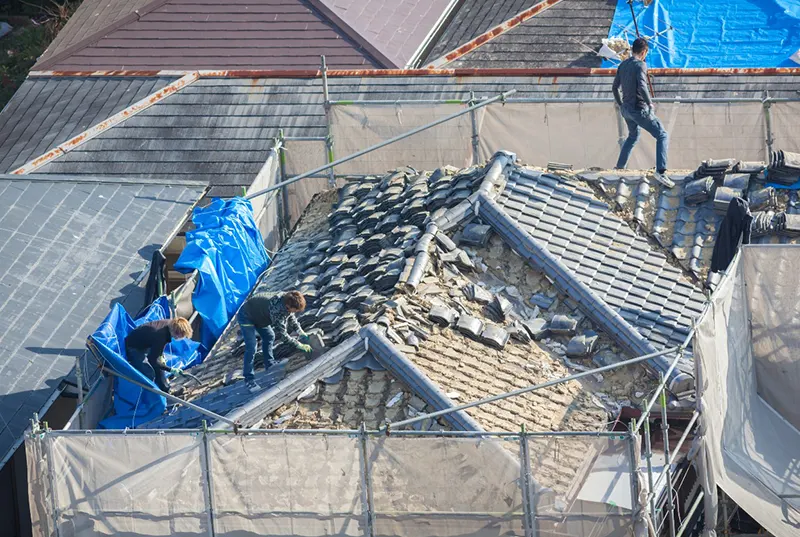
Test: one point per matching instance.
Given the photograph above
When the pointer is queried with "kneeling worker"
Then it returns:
(268, 314)
(145, 345)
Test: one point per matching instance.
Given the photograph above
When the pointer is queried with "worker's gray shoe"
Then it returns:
(664, 179)
(253, 386)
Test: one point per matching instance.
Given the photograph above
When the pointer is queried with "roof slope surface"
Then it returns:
(565, 35)
(203, 34)
(67, 250)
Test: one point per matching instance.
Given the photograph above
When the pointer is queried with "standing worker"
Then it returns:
(268, 314)
(637, 109)
(145, 345)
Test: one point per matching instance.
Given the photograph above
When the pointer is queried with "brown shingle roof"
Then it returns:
(201, 34)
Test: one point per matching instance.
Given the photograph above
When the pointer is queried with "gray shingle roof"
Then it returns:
(68, 248)
(218, 129)
(472, 18)
(565, 35)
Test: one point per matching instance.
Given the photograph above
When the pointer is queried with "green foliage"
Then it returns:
(19, 50)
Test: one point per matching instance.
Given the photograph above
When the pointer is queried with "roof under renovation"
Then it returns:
(70, 247)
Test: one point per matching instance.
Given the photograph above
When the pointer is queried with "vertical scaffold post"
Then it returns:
(208, 485)
(476, 137)
(326, 103)
(632, 447)
(79, 382)
(48, 450)
(667, 471)
(767, 103)
(648, 453)
(366, 485)
(528, 492)
(285, 215)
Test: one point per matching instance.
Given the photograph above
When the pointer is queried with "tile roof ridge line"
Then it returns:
(107, 124)
(403, 368)
(492, 33)
(294, 384)
(609, 320)
(435, 32)
(98, 35)
(337, 22)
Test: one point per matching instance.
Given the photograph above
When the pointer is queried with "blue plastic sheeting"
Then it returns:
(227, 250)
(132, 404)
(716, 33)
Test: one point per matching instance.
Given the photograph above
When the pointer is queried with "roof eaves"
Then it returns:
(105, 125)
(351, 33)
(492, 33)
(98, 35)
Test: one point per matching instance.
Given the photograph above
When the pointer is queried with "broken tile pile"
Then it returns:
(784, 167)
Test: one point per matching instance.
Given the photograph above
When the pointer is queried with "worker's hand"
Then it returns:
(305, 348)
(304, 337)
(175, 371)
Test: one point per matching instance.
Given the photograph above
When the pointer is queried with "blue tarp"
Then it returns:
(227, 250)
(133, 405)
(716, 33)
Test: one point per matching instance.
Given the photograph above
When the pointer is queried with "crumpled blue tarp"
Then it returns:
(716, 33)
(227, 250)
(132, 404)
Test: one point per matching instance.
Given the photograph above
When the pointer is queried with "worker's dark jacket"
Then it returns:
(151, 338)
(267, 309)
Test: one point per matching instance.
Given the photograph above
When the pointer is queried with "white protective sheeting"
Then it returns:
(127, 485)
(753, 452)
(303, 156)
(785, 127)
(579, 134)
(356, 127)
(286, 485)
(265, 207)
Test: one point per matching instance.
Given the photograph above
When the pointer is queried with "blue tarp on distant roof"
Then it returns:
(133, 405)
(715, 33)
(227, 250)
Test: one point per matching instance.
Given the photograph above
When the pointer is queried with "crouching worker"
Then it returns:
(145, 345)
(268, 315)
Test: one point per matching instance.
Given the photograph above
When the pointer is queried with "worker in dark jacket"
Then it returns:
(637, 109)
(145, 345)
(269, 315)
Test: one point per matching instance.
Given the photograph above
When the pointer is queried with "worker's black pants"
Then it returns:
(149, 368)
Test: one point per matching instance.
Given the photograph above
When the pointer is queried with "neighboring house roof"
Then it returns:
(568, 34)
(193, 34)
(471, 19)
(399, 30)
(68, 248)
(219, 129)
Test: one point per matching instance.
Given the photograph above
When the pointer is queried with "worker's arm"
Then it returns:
(154, 355)
(615, 90)
(644, 87)
(294, 325)
(280, 333)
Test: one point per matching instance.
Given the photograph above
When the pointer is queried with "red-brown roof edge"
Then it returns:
(462, 72)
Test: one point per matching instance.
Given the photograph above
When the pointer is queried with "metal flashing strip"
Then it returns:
(490, 34)
(103, 126)
(609, 320)
(389, 73)
(90, 179)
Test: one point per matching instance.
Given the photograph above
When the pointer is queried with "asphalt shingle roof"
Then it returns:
(566, 35)
(68, 248)
(196, 34)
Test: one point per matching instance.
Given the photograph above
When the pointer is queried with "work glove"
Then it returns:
(305, 348)
(304, 337)
(175, 371)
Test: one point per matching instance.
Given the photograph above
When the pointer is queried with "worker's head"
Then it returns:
(640, 47)
(294, 301)
(179, 328)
